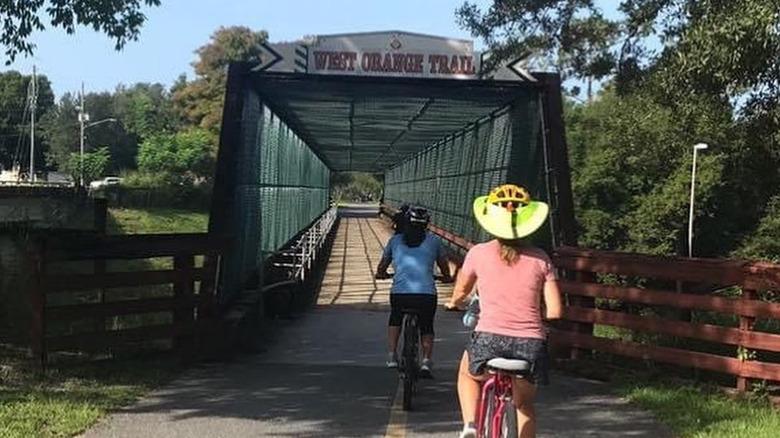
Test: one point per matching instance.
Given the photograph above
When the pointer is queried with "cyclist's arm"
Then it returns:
(463, 286)
(444, 267)
(552, 301)
(381, 269)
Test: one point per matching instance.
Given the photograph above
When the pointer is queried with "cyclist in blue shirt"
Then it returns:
(413, 253)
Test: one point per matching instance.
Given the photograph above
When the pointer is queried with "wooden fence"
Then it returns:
(84, 286)
(655, 297)
(694, 282)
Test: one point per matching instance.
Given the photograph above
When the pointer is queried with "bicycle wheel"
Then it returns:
(509, 421)
(409, 356)
(490, 408)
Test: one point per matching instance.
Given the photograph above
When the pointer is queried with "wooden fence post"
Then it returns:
(745, 325)
(184, 292)
(582, 302)
(38, 303)
(101, 221)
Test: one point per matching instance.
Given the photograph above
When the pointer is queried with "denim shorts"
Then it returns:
(485, 346)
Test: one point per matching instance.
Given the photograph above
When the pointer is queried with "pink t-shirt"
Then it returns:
(509, 295)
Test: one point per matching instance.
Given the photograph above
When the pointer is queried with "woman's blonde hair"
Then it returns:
(511, 249)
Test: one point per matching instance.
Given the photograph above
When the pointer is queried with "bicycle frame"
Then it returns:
(500, 384)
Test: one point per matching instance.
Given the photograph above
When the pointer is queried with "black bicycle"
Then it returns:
(409, 362)
(408, 366)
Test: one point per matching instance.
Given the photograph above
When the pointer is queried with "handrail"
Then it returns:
(307, 247)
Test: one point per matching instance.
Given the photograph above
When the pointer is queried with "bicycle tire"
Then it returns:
(409, 355)
(509, 421)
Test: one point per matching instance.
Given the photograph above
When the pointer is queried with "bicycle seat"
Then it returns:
(509, 365)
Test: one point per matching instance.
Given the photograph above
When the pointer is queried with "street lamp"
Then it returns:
(84, 117)
(697, 147)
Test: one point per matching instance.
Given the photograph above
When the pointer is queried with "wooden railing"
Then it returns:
(80, 298)
(694, 281)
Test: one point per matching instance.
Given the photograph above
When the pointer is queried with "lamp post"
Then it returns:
(697, 147)
(84, 117)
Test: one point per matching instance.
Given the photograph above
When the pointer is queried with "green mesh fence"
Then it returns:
(281, 187)
(448, 175)
(295, 185)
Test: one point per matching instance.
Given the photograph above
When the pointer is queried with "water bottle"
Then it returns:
(472, 312)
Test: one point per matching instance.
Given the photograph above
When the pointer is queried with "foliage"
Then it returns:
(118, 19)
(571, 35)
(15, 117)
(200, 101)
(60, 128)
(711, 46)
(643, 206)
(92, 165)
(359, 187)
(713, 80)
(146, 109)
(177, 159)
(764, 244)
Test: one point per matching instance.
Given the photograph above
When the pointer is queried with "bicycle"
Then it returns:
(408, 366)
(409, 363)
(496, 414)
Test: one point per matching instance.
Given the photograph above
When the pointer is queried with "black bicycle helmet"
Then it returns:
(418, 216)
(399, 217)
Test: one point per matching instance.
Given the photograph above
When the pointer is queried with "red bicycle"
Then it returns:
(496, 414)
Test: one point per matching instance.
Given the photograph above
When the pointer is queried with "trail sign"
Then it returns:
(268, 58)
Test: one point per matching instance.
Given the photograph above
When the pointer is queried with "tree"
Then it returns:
(177, 159)
(146, 109)
(15, 117)
(121, 20)
(764, 244)
(200, 101)
(631, 164)
(60, 128)
(710, 46)
(571, 35)
(139, 111)
(92, 165)
(355, 186)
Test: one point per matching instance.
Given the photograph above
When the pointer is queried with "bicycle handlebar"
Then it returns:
(389, 275)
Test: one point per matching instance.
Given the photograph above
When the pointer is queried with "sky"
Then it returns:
(174, 30)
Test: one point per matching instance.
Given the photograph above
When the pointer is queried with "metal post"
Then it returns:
(696, 148)
(81, 148)
(33, 104)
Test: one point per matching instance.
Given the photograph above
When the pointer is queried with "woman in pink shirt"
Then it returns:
(512, 278)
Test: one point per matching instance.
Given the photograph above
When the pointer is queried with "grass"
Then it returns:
(695, 412)
(71, 398)
(157, 220)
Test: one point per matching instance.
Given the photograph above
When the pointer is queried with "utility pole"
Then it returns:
(33, 104)
(83, 117)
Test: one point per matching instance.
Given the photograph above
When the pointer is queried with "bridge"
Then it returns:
(277, 247)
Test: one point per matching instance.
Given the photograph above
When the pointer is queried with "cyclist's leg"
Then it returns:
(523, 395)
(427, 313)
(394, 325)
(469, 387)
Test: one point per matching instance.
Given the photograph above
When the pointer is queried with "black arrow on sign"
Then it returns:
(517, 68)
(268, 58)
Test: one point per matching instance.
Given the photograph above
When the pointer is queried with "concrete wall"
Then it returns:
(20, 216)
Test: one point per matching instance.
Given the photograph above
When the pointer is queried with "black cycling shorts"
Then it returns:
(424, 305)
